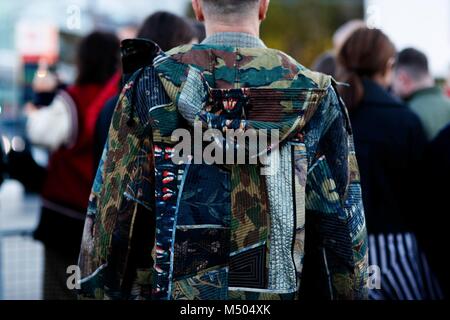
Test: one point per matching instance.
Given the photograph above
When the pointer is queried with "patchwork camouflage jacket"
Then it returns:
(159, 229)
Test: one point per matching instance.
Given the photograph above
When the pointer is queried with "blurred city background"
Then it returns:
(31, 31)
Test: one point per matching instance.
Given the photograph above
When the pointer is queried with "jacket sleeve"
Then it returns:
(118, 228)
(55, 125)
(336, 255)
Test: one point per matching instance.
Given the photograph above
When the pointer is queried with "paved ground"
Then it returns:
(21, 258)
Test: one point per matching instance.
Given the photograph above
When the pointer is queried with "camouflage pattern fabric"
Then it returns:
(215, 231)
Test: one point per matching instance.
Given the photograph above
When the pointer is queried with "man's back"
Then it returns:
(230, 231)
(235, 166)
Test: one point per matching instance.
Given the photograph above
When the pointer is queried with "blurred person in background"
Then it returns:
(45, 85)
(21, 165)
(434, 231)
(390, 143)
(199, 27)
(414, 83)
(66, 129)
(344, 32)
(168, 31)
(326, 62)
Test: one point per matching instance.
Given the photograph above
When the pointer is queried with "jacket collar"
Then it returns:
(374, 94)
(234, 39)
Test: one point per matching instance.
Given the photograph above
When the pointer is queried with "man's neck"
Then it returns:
(424, 84)
(420, 87)
(219, 27)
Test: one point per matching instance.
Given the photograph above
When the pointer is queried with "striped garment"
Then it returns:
(405, 272)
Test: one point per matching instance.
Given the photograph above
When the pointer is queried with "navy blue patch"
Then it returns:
(206, 197)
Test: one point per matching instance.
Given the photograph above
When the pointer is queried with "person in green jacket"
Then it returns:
(414, 83)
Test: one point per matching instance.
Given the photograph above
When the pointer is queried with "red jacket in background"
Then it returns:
(71, 169)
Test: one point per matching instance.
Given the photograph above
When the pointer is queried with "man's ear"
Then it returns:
(403, 81)
(198, 10)
(263, 8)
(405, 78)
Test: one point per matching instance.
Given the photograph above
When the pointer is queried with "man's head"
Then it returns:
(411, 73)
(231, 15)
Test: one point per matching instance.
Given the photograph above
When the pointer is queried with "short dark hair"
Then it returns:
(414, 61)
(224, 7)
(167, 30)
(98, 58)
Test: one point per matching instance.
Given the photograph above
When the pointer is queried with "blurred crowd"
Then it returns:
(401, 125)
(72, 122)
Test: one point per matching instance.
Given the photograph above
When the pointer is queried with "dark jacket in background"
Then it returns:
(389, 142)
(102, 128)
(434, 230)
